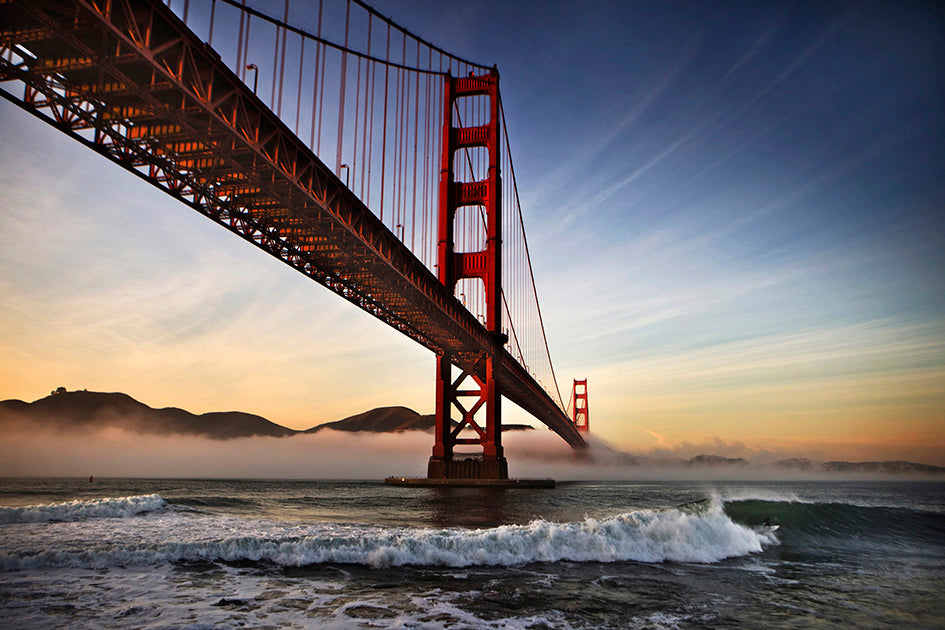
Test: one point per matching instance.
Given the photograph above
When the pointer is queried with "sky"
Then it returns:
(736, 215)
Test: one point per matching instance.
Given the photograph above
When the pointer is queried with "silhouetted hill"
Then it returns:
(86, 411)
(716, 460)
(393, 420)
(797, 463)
(381, 420)
(79, 411)
(895, 467)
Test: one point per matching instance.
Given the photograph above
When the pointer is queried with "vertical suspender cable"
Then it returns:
(357, 122)
(249, 22)
(213, 13)
(341, 107)
(402, 147)
(367, 85)
(395, 179)
(426, 158)
(395, 216)
(321, 81)
(285, 33)
(239, 46)
(298, 93)
(275, 68)
(401, 162)
(428, 148)
(384, 118)
(435, 166)
(316, 91)
(416, 133)
(398, 139)
(373, 67)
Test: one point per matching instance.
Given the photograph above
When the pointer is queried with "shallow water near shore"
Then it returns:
(126, 553)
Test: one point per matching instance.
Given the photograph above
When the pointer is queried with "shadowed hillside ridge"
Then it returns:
(394, 420)
(381, 420)
(88, 411)
(85, 411)
(889, 467)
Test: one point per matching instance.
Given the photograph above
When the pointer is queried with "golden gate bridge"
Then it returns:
(365, 157)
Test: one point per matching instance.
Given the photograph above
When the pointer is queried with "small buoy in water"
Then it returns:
(91, 479)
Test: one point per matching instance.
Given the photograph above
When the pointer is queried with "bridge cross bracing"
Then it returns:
(233, 111)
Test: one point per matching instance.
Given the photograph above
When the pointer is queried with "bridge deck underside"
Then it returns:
(129, 80)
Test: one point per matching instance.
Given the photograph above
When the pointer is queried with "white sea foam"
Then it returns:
(84, 598)
(738, 493)
(77, 510)
(645, 535)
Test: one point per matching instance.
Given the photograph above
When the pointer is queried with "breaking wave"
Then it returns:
(78, 510)
(841, 521)
(703, 536)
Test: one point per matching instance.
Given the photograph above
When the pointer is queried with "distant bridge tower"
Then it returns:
(579, 409)
(470, 393)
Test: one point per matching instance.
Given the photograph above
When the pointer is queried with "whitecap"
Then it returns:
(75, 510)
(705, 536)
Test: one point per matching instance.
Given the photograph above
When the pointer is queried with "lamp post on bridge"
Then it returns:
(255, 69)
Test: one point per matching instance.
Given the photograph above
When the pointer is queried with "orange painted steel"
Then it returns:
(129, 80)
(579, 412)
(472, 391)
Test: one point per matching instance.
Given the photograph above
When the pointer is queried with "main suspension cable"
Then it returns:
(344, 49)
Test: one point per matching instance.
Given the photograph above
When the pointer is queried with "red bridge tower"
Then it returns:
(579, 411)
(470, 393)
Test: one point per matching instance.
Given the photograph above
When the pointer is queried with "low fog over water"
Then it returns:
(111, 452)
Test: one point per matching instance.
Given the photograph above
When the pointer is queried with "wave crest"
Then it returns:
(843, 521)
(76, 510)
(645, 536)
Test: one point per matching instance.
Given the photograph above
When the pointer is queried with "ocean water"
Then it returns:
(128, 553)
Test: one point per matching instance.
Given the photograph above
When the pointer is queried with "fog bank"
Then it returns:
(328, 454)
